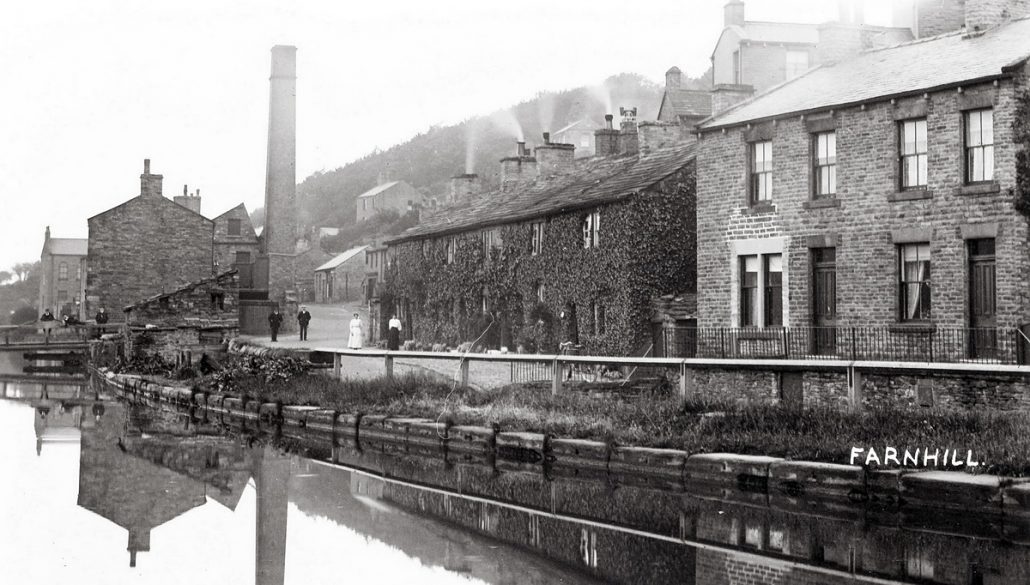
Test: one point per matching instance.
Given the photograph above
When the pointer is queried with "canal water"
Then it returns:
(98, 490)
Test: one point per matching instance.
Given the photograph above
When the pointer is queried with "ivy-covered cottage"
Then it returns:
(565, 250)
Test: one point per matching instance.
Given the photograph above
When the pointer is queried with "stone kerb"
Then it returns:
(770, 481)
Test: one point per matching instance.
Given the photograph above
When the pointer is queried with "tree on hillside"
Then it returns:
(5, 276)
(23, 269)
(257, 217)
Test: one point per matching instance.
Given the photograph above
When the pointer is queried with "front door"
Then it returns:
(824, 301)
(983, 337)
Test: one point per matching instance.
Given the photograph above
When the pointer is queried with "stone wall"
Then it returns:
(147, 245)
(173, 342)
(867, 218)
(212, 299)
(226, 246)
(888, 390)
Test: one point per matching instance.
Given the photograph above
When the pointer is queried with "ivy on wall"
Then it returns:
(647, 248)
(1021, 136)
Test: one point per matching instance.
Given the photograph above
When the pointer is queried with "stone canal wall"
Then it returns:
(625, 513)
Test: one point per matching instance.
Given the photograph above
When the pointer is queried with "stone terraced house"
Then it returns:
(565, 250)
(876, 192)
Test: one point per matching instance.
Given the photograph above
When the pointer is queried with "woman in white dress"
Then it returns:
(356, 335)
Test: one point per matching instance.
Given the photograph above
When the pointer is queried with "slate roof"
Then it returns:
(379, 189)
(590, 182)
(68, 246)
(341, 258)
(186, 287)
(914, 67)
(689, 102)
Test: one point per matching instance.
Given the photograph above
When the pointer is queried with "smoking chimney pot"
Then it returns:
(146, 166)
(608, 121)
(547, 137)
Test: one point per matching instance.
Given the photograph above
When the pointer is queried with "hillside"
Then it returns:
(429, 159)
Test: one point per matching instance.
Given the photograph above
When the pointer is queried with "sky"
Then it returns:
(90, 89)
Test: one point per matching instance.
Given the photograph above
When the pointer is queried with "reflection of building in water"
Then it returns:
(369, 512)
(141, 482)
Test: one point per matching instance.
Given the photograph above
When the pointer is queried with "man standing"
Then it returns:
(101, 321)
(393, 339)
(274, 321)
(303, 318)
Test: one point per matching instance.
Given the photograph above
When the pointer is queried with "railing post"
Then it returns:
(687, 385)
(722, 342)
(337, 366)
(464, 372)
(556, 377)
(854, 345)
(854, 389)
(786, 343)
(388, 362)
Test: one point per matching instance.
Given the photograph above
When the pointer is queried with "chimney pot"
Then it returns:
(547, 137)
(184, 189)
(608, 118)
(146, 166)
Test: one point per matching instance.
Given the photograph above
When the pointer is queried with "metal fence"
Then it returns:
(522, 372)
(899, 343)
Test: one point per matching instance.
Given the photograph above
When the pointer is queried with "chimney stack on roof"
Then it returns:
(673, 78)
(517, 169)
(733, 13)
(464, 188)
(606, 140)
(654, 135)
(188, 200)
(628, 131)
(553, 158)
(150, 185)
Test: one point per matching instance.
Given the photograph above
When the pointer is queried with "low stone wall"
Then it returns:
(949, 391)
(172, 342)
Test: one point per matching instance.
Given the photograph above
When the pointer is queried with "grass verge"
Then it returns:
(1000, 441)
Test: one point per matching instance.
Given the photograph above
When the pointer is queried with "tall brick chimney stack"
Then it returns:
(606, 140)
(733, 13)
(149, 185)
(517, 169)
(279, 235)
(554, 158)
(628, 143)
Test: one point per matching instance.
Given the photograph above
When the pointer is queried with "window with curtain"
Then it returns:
(825, 164)
(913, 154)
(773, 289)
(748, 291)
(915, 281)
(760, 187)
(979, 128)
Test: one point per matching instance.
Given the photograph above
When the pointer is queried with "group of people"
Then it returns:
(48, 317)
(356, 337)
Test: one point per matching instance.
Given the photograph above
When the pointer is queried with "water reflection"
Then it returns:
(146, 473)
(122, 492)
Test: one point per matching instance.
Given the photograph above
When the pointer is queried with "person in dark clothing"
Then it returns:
(47, 319)
(274, 321)
(102, 319)
(393, 338)
(303, 318)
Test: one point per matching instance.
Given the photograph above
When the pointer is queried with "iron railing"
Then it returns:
(887, 343)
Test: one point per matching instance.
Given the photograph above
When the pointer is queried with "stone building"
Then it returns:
(566, 250)
(763, 54)
(147, 245)
(874, 192)
(681, 104)
(199, 317)
(341, 278)
(235, 241)
(388, 196)
(62, 278)
(579, 134)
